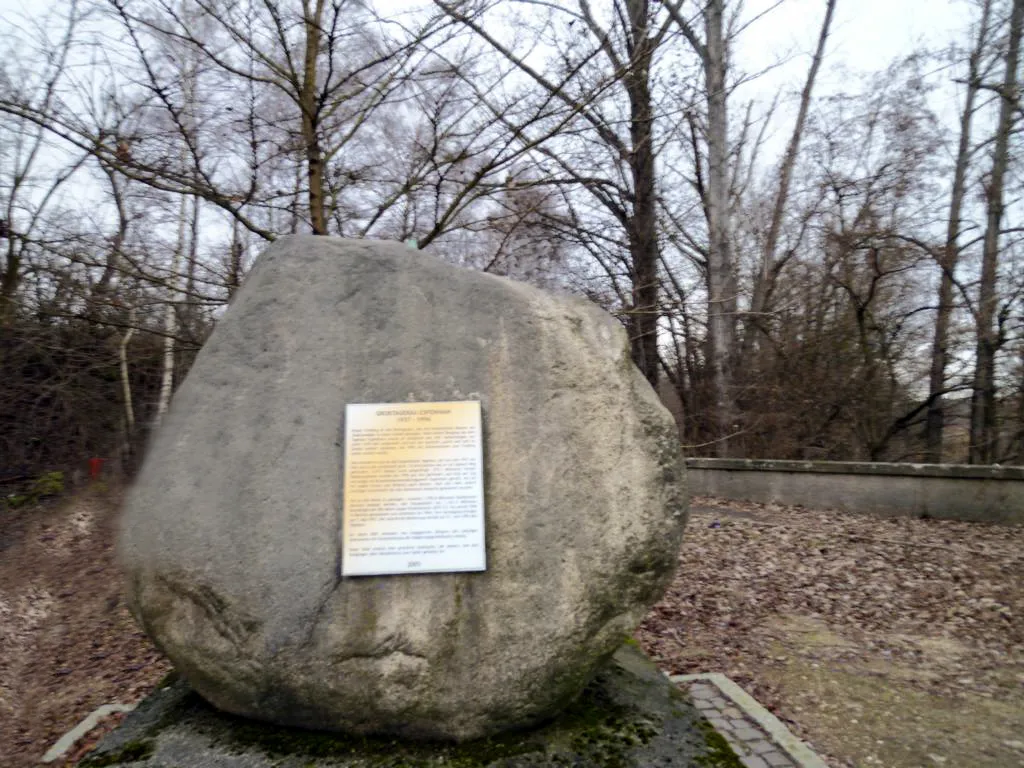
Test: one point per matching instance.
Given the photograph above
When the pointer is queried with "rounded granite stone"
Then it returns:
(231, 535)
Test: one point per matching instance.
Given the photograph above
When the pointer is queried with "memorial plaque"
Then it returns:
(413, 489)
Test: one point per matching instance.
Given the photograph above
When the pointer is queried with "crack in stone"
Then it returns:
(222, 617)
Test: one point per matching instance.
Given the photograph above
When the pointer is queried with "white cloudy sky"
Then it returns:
(866, 36)
(867, 32)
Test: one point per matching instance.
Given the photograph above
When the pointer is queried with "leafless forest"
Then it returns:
(804, 273)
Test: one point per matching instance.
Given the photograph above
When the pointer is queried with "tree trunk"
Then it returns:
(9, 281)
(935, 417)
(235, 262)
(1020, 414)
(310, 106)
(103, 286)
(643, 232)
(126, 383)
(190, 316)
(721, 280)
(171, 316)
(984, 437)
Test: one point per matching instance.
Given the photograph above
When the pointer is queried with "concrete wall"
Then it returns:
(946, 491)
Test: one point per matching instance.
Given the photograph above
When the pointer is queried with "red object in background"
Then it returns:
(95, 468)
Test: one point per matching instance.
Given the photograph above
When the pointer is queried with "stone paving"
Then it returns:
(749, 741)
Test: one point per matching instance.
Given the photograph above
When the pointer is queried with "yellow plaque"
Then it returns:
(413, 489)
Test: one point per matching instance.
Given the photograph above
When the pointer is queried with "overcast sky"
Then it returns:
(867, 35)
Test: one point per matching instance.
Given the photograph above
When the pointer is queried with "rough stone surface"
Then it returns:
(230, 538)
(630, 716)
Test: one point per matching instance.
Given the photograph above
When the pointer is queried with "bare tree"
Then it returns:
(723, 291)
(31, 183)
(772, 264)
(630, 196)
(294, 55)
(989, 337)
(935, 422)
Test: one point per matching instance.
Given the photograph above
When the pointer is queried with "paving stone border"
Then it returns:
(759, 739)
(630, 715)
(80, 731)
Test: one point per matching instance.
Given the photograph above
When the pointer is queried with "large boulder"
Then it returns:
(230, 538)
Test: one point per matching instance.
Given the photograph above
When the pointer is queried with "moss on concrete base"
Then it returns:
(630, 716)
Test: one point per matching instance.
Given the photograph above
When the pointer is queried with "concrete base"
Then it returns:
(631, 716)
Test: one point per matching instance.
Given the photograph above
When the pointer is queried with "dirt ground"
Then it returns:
(881, 642)
(67, 642)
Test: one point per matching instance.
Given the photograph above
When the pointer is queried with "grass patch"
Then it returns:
(866, 718)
